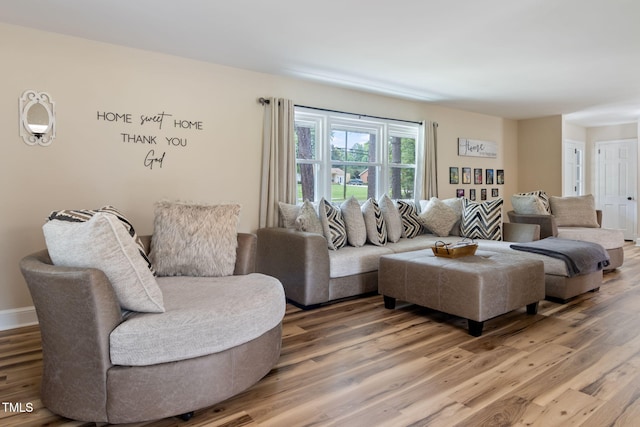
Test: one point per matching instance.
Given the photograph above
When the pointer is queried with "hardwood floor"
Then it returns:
(356, 363)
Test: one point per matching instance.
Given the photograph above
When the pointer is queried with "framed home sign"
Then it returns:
(477, 148)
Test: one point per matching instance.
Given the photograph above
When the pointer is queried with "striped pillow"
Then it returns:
(482, 220)
(333, 226)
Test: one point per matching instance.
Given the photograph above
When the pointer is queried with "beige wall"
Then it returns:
(88, 165)
(540, 155)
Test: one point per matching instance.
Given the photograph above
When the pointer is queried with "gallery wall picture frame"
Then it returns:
(483, 194)
(454, 176)
(477, 176)
(460, 192)
(500, 176)
(466, 175)
(494, 192)
(472, 194)
(488, 176)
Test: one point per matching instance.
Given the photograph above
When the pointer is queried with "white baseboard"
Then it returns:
(17, 318)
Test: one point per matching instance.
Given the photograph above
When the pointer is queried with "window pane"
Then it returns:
(352, 146)
(402, 150)
(305, 140)
(307, 179)
(344, 184)
(401, 183)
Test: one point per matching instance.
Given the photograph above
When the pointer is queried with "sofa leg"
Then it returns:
(389, 302)
(186, 417)
(475, 328)
(532, 308)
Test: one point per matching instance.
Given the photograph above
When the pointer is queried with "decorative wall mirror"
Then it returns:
(37, 118)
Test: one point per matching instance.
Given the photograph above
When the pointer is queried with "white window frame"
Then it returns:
(327, 121)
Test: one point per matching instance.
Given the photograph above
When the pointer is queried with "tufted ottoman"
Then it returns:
(477, 287)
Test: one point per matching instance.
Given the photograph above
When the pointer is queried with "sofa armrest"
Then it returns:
(77, 309)
(300, 260)
(246, 254)
(514, 232)
(547, 223)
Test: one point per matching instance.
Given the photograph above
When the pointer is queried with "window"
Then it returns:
(342, 155)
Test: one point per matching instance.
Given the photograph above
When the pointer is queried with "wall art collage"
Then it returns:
(476, 176)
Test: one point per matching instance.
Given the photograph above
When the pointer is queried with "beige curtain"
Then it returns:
(430, 187)
(278, 160)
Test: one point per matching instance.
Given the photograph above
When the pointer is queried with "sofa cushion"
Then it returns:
(528, 205)
(574, 211)
(438, 217)
(194, 239)
(608, 238)
(308, 220)
(392, 218)
(350, 260)
(374, 222)
(411, 225)
(203, 315)
(482, 220)
(104, 243)
(542, 196)
(354, 221)
(83, 215)
(288, 214)
(333, 226)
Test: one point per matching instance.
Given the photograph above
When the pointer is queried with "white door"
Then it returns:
(573, 168)
(616, 186)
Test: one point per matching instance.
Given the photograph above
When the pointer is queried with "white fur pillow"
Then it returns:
(392, 218)
(353, 219)
(194, 239)
(103, 242)
(308, 219)
(528, 205)
(438, 217)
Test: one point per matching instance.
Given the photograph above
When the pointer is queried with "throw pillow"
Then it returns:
(528, 205)
(288, 214)
(437, 217)
(374, 223)
(103, 242)
(83, 215)
(308, 219)
(354, 221)
(410, 221)
(540, 195)
(392, 218)
(482, 220)
(194, 239)
(575, 211)
(333, 226)
(455, 203)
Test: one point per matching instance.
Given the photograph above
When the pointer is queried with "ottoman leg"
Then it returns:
(389, 302)
(532, 308)
(475, 328)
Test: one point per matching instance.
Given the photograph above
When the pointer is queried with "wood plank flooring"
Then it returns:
(356, 363)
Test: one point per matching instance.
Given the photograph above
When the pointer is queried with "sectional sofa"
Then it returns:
(313, 274)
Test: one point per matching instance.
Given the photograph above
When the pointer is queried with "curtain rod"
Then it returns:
(264, 101)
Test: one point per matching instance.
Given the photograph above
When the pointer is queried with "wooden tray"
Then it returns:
(454, 250)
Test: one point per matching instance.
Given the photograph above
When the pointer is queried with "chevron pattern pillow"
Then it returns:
(411, 226)
(482, 220)
(333, 226)
(374, 223)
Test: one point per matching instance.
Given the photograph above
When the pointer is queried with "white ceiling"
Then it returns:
(511, 58)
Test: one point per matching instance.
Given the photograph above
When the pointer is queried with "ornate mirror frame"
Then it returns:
(37, 118)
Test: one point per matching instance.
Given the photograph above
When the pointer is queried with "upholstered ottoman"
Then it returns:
(477, 287)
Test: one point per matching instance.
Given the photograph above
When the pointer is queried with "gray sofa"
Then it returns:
(312, 274)
(216, 337)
